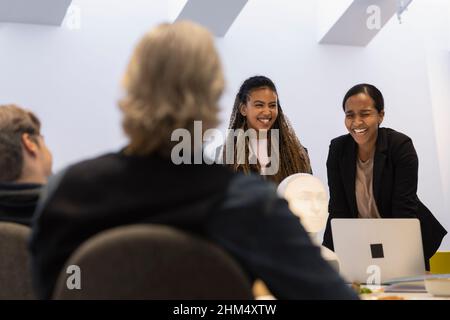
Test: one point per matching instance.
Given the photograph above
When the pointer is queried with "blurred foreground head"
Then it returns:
(174, 77)
(24, 156)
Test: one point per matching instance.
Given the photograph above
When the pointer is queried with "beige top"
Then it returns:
(367, 207)
(259, 147)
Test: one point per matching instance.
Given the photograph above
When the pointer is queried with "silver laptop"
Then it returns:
(374, 251)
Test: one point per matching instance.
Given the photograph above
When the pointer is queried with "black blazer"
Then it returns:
(395, 172)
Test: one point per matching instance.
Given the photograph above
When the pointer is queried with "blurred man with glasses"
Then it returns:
(25, 164)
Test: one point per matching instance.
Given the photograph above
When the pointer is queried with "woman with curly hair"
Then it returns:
(256, 113)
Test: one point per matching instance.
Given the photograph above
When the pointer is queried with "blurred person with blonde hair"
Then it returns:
(175, 78)
(25, 164)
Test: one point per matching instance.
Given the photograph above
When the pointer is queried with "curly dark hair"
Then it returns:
(294, 157)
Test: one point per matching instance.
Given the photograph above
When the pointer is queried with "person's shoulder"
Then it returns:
(98, 164)
(89, 172)
(253, 184)
(341, 140)
(394, 138)
(394, 135)
(79, 180)
(338, 144)
(250, 191)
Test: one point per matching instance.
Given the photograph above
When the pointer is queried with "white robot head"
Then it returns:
(307, 199)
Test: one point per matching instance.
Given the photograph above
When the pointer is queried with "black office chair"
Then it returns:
(152, 262)
(15, 273)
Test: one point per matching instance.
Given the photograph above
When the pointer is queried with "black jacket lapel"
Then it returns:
(349, 174)
(378, 165)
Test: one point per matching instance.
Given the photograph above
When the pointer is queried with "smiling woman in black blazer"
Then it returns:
(372, 171)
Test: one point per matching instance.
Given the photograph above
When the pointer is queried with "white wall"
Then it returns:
(71, 78)
(438, 61)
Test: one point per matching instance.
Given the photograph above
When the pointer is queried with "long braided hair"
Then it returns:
(293, 156)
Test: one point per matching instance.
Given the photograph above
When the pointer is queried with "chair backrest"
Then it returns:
(15, 272)
(152, 262)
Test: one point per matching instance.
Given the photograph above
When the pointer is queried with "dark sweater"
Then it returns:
(18, 202)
